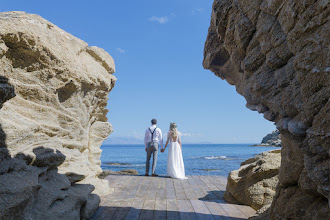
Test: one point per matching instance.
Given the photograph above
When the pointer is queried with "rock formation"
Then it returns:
(271, 140)
(254, 183)
(51, 131)
(276, 53)
(106, 173)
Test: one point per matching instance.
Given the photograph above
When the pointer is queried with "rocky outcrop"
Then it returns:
(276, 53)
(254, 183)
(106, 173)
(271, 140)
(54, 123)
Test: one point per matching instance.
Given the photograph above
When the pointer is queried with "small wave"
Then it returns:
(215, 158)
(123, 165)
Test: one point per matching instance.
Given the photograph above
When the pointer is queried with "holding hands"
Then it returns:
(162, 150)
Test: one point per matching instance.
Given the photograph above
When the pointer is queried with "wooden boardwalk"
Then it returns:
(140, 197)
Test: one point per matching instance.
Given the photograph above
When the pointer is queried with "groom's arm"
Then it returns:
(146, 139)
(161, 138)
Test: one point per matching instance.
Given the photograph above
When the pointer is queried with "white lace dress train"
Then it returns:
(175, 166)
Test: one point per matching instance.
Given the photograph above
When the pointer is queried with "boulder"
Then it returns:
(61, 86)
(53, 93)
(254, 183)
(106, 173)
(276, 53)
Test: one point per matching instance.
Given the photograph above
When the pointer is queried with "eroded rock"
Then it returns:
(53, 122)
(271, 140)
(106, 173)
(254, 183)
(61, 87)
(276, 53)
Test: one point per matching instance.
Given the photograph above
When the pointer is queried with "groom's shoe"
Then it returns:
(147, 174)
(154, 174)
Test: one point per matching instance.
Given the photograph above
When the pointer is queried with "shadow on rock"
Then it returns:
(32, 188)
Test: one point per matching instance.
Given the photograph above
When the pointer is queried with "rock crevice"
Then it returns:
(276, 53)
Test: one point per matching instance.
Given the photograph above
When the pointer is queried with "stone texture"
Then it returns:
(106, 173)
(271, 140)
(53, 121)
(254, 183)
(61, 87)
(276, 53)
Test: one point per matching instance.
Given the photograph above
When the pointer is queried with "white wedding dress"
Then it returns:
(175, 166)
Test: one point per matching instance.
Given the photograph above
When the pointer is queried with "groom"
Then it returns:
(152, 136)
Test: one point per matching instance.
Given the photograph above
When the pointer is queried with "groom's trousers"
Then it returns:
(152, 149)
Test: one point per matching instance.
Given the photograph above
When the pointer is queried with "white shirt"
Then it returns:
(158, 136)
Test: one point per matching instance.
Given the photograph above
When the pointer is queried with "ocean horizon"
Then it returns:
(199, 159)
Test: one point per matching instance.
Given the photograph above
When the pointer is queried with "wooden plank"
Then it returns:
(207, 192)
(172, 210)
(135, 187)
(106, 212)
(161, 189)
(188, 190)
(179, 192)
(213, 188)
(218, 183)
(170, 191)
(140, 197)
(147, 212)
(135, 210)
(186, 210)
(198, 192)
(160, 209)
(143, 191)
(151, 195)
(232, 210)
(123, 209)
(246, 210)
(201, 210)
(216, 210)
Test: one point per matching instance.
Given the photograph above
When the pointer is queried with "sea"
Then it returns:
(199, 159)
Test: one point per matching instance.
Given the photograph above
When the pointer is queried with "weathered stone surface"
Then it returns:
(61, 87)
(276, 53)
(53, 125)
(254, 183)
(106, 173)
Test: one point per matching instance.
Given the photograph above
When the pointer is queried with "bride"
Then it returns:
(175, 166)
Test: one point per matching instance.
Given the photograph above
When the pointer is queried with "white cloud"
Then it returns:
(161, 20)
(197, 10)
(190, 134)
(121, 50)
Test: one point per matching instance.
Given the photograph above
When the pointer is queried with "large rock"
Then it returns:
(254, 183)
(276, 53)
(53, 125)
(61, 87)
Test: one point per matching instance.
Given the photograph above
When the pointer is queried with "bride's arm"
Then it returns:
(168, 138)
(179, 140)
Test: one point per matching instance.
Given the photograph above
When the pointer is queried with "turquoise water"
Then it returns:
(220, 158)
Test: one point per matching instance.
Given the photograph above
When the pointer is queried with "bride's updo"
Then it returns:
(173, 131)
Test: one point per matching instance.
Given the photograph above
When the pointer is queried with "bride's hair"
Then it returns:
(173, 131)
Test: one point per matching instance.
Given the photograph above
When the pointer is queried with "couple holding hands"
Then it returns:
(153, 135)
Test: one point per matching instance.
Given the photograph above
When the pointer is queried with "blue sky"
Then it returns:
(158, 50)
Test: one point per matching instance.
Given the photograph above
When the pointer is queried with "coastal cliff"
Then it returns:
(54, 122)
(276, 54)
(271, 140)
